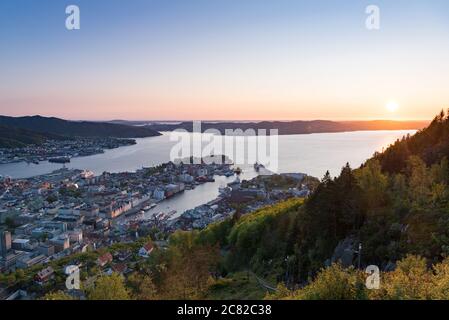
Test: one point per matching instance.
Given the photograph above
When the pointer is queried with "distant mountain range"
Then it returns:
(19, 131)
(297, 127)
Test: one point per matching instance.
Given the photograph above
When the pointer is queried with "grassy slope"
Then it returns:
(237, 286)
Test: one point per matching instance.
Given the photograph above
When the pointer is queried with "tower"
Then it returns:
(5, 242)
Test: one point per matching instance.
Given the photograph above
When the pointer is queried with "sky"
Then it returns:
(224, 60)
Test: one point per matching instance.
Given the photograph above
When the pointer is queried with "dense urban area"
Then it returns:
(52, 217)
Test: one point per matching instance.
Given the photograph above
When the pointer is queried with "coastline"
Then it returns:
(52, 150)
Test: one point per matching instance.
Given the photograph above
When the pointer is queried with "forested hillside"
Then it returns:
(430, 144)
(11, 137)
(395, 205)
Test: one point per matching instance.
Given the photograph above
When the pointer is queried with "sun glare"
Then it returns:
(392, 106)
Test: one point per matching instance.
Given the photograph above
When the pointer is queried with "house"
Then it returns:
(117, 209)
(146, 250)
(61, 242)
(29, 261)
(104, 259)
(121, 268)
(44, 275)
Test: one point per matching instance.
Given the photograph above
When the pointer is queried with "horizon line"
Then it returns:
(219, 120)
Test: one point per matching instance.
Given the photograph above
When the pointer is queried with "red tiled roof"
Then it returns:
(107, 257)
(148, 247)
(119, 267)
(45, 272)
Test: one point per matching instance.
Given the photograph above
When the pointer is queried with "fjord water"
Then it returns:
(308, 153)
(312, 154)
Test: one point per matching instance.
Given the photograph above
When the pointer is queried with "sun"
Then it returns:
(392, 106)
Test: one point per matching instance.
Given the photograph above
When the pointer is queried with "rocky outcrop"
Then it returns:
(344, 253)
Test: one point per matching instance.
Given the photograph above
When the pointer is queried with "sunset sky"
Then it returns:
(224, 60)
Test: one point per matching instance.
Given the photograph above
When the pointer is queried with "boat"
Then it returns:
(133, 213)
(162, 216)
(59, 160)
(159, 215)
(171, 213)
(129, 214)
(150, 206)
(33, 161)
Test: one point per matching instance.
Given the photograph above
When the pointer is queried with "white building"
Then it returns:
(159, 194)
(75, 236)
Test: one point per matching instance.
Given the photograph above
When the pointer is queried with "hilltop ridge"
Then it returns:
(20, 131)
(295, 127)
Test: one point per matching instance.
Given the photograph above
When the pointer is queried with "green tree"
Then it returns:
(142, 287)
(440, 283)
(188, 275)
(332, 283)
(410, 281)
(58, 295)
(109, 288)
(373, 183)
(419, 180)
